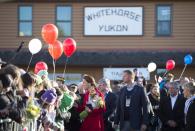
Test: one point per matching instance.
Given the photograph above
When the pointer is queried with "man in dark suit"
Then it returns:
(110, 101)
(172, 109)
(132, 110)
(189, 93)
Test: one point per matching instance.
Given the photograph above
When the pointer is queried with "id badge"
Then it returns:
(128, 102)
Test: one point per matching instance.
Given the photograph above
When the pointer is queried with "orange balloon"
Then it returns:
(49, 33)
(56, 50)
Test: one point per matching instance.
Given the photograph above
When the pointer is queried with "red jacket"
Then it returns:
(94, 121)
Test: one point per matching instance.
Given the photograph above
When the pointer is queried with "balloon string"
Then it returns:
(54, 69)
(65, 67)
(183, 71)
(54, 65)
(165, 74)
(29, 63)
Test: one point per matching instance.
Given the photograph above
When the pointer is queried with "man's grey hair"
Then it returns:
(175, 84)
(191, 87)
(106, 82)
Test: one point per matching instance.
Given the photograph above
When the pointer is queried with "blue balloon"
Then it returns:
(188, 59)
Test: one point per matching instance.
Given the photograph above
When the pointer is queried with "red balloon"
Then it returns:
(69, 45)
(40, 66)
(49, 33)
(170, 65)
(55, 50)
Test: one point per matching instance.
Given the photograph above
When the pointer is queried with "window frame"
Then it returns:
(19, 21)
(64, 21)
(157, 21)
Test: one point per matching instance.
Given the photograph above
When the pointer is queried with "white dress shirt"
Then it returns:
(130, 87)
(173, 100)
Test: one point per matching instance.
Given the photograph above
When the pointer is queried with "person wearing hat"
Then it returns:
(93, 107)
(172, 109)
(189, 93)
(43, 74)
(47, 117)
(60, 80)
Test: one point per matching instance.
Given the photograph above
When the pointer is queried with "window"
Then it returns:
(25, 21)
(163, 20)
(63, 20)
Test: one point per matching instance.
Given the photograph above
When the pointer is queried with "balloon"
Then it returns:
(152, 67)
(170, 65)
(69, 45)
(56, 50)
(188, 59)
(40, 66)
(34, 46)
(49, 33)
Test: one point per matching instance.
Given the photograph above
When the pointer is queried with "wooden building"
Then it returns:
(166, 31)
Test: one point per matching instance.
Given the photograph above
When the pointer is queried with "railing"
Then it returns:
(30, 126)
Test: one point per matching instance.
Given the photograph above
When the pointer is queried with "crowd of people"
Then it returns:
(130, 105)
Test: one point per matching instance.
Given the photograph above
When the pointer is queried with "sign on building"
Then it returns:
(116, 73)
(109, 21)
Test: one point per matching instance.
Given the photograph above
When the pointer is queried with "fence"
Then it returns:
(30, 126)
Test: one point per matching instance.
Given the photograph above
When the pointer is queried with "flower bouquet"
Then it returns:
(32, 110)
(94, 102)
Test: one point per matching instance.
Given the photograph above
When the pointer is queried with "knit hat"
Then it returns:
(42, 73)
(41, 65)
(49, 97)
(61, 79)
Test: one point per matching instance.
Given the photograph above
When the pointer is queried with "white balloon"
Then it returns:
(34, 46)
(152, 67)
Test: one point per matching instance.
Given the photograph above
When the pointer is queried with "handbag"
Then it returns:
(154, 121)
